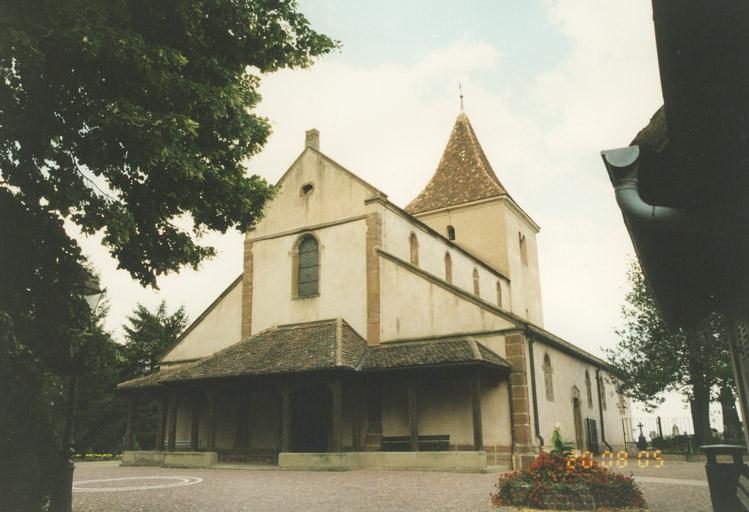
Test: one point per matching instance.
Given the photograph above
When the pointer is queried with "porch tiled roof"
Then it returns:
(430, 353)
(285, 349)
(324, 345)
(147, 381)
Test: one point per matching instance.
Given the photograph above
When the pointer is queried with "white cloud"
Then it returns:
(389, 123)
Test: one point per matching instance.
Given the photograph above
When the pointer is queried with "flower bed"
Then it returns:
(96, 457)
(557, 481)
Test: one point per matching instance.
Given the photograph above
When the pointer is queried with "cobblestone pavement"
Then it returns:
(230, 490)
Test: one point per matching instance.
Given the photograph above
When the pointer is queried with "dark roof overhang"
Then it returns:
(693, 161)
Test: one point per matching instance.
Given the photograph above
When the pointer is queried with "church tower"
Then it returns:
(466, 202)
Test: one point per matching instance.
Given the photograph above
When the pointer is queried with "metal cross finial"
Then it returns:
(460, 88)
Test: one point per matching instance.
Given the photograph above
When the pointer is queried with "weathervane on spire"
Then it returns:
(460, 88)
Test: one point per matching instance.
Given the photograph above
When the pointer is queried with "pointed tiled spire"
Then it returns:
(463, 174)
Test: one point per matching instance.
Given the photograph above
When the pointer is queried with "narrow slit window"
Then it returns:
(476, 289)
(414, 249)
(523, 249)
(588, 389)
(448, 268)
(548, 378)
(499, 294)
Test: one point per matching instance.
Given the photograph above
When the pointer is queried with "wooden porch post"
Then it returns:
(172, 445)
(211, 397)
(356, 417)
(336, 391)
(195, 426)
(129, 435)
(243, 419)
(285, 417)
(413, 419)
(478, 431)
(163, 413)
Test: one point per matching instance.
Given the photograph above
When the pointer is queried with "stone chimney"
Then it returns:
(312, 139)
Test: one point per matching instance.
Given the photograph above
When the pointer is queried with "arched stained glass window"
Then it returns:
(308, 272)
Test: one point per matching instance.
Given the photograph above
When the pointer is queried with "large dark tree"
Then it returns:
(125, 115)
(147, 335)
(133, 119)
(652, 359)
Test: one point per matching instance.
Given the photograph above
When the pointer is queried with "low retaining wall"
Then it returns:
(170, 459)
(424, 461)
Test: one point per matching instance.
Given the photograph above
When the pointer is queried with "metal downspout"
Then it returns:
(536, 427)
(622, 165)
(600, 409)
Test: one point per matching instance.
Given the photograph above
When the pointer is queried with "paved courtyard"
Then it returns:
(678, 486)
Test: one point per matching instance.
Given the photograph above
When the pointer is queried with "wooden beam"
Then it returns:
(356, 416)
(336, 392)
(129, 434)
(163, 414)
(211, 399)
(242, 439)
(285, 392)
(195, 417)
(478, 431)
(413, 419)
(173, 422)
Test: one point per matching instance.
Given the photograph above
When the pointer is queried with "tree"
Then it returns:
(132, 119)
(147, 337)
(651, 359)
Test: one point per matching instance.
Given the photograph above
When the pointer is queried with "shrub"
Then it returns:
(564, 483)
(96, 457)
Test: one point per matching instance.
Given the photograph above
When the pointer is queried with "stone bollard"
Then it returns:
(723, 478)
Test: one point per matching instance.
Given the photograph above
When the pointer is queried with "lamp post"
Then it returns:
(62, 497)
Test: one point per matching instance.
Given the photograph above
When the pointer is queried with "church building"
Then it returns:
(361, 334)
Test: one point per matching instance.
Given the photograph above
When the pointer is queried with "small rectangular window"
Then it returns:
(523, 249)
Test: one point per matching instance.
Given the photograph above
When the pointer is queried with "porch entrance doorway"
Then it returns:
(311, 414)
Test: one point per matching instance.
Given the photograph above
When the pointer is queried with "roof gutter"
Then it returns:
(623, 168)
(600, 409)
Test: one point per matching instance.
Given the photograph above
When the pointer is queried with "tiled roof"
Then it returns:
(148, 381)
(430, 353)
(463, 174)
(321, 345)
(285, 349)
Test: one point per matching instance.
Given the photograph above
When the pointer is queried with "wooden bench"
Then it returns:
(742, 493)
(437, 443)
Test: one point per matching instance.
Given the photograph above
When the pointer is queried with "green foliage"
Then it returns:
(97, 457)
(558, 445)
(561, 482)
(30, 403)
(132, 116)
(651, 359)
(132, 119)
(147, 337)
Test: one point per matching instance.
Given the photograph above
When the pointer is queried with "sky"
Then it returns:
(548, 84)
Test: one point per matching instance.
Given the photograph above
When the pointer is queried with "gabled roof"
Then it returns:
(293, 348)
(442, 352)
(463, 175)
